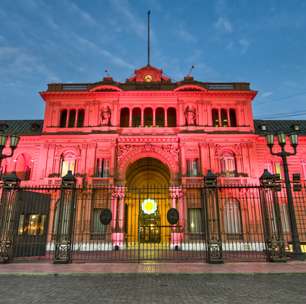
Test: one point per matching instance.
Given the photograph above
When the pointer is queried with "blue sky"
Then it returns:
(261, 42)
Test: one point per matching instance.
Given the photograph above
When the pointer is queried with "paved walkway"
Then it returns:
(146, 288)
(91, 268)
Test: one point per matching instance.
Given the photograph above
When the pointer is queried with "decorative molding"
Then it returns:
(167, 154)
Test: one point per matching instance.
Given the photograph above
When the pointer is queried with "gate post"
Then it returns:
(64, 229)
(118, 219)
(274, 237)
(212, 219)
(11, 185)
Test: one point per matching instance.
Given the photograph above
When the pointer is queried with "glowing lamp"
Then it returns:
(282, 139)
(293, 140)
(3, 140)
(14, 141)
(149, 206)
(270, 140)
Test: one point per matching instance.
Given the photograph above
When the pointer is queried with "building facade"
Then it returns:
(147, 132)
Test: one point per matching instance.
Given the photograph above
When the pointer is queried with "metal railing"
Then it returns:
(216, 223)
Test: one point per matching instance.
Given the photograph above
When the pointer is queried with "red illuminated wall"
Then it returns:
(194, 138)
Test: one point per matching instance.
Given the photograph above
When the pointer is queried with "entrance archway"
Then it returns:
(147, 201)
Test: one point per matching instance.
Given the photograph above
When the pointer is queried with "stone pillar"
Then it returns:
(142, 117)
(183, 160)
(154, 118)
(130, 117)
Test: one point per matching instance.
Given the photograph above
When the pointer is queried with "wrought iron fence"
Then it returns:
(210, 222)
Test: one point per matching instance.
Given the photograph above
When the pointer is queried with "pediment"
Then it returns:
(148, 74)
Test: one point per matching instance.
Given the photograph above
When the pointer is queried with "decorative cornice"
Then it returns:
(147, 139)
(63, 94)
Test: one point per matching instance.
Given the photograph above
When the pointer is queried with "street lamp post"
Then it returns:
(14, 139)
(297, 253)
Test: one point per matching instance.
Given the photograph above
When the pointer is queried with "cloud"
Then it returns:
(19, 63)
(82, 13)
(244, 45)
(185, 35)
(118, 61)
(123, 8)
(266, 94)
(223, 24)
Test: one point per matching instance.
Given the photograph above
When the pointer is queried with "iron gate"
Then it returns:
(216, 223)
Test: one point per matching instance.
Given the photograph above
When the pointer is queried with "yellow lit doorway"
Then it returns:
(147, 202)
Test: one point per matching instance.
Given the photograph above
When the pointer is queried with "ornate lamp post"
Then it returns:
(14, 139)
(297, 253)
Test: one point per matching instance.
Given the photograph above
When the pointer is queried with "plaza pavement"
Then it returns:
(89, 268)
(170, 283)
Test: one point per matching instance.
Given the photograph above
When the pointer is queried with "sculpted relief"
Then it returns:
(190, 116)
(128, 153)
(105, 116)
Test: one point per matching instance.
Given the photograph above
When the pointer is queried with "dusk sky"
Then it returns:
(261, 42)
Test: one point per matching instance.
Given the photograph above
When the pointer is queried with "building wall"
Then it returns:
(193, 138)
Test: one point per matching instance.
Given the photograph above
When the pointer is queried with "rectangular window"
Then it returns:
(215, 117)
(192, 167)
(102, 167)
(228, 166)
(72, 116)
(233, 118)
(224, 120)
(31, 224)
(98, 230)
(67, 165)
(195, 221)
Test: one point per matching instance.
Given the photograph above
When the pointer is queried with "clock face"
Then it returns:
(148, 78)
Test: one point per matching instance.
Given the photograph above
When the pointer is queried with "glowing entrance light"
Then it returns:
(149, 206)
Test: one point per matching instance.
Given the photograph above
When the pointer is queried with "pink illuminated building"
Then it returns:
(147, 131)
(98, 130)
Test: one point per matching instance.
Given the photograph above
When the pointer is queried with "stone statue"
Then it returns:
(190, 116)
(105, 116)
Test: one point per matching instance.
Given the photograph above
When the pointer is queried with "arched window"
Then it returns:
(136, 117)
(148, 117)
(63, 119)
(232, 219)
(71, 122)
(23, 167)
(68, 163)
(228, 164)
(81, 115)
(224, 120)
(160, 117)
(215, 117)
(233, 119)
(124, 117)
(171, 117)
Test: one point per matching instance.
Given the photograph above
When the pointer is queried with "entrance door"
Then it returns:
(31, 220)
(149, 228)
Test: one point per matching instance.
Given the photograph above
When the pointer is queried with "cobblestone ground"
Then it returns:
(153, 288)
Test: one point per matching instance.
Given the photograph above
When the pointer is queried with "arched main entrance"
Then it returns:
(147, 202)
